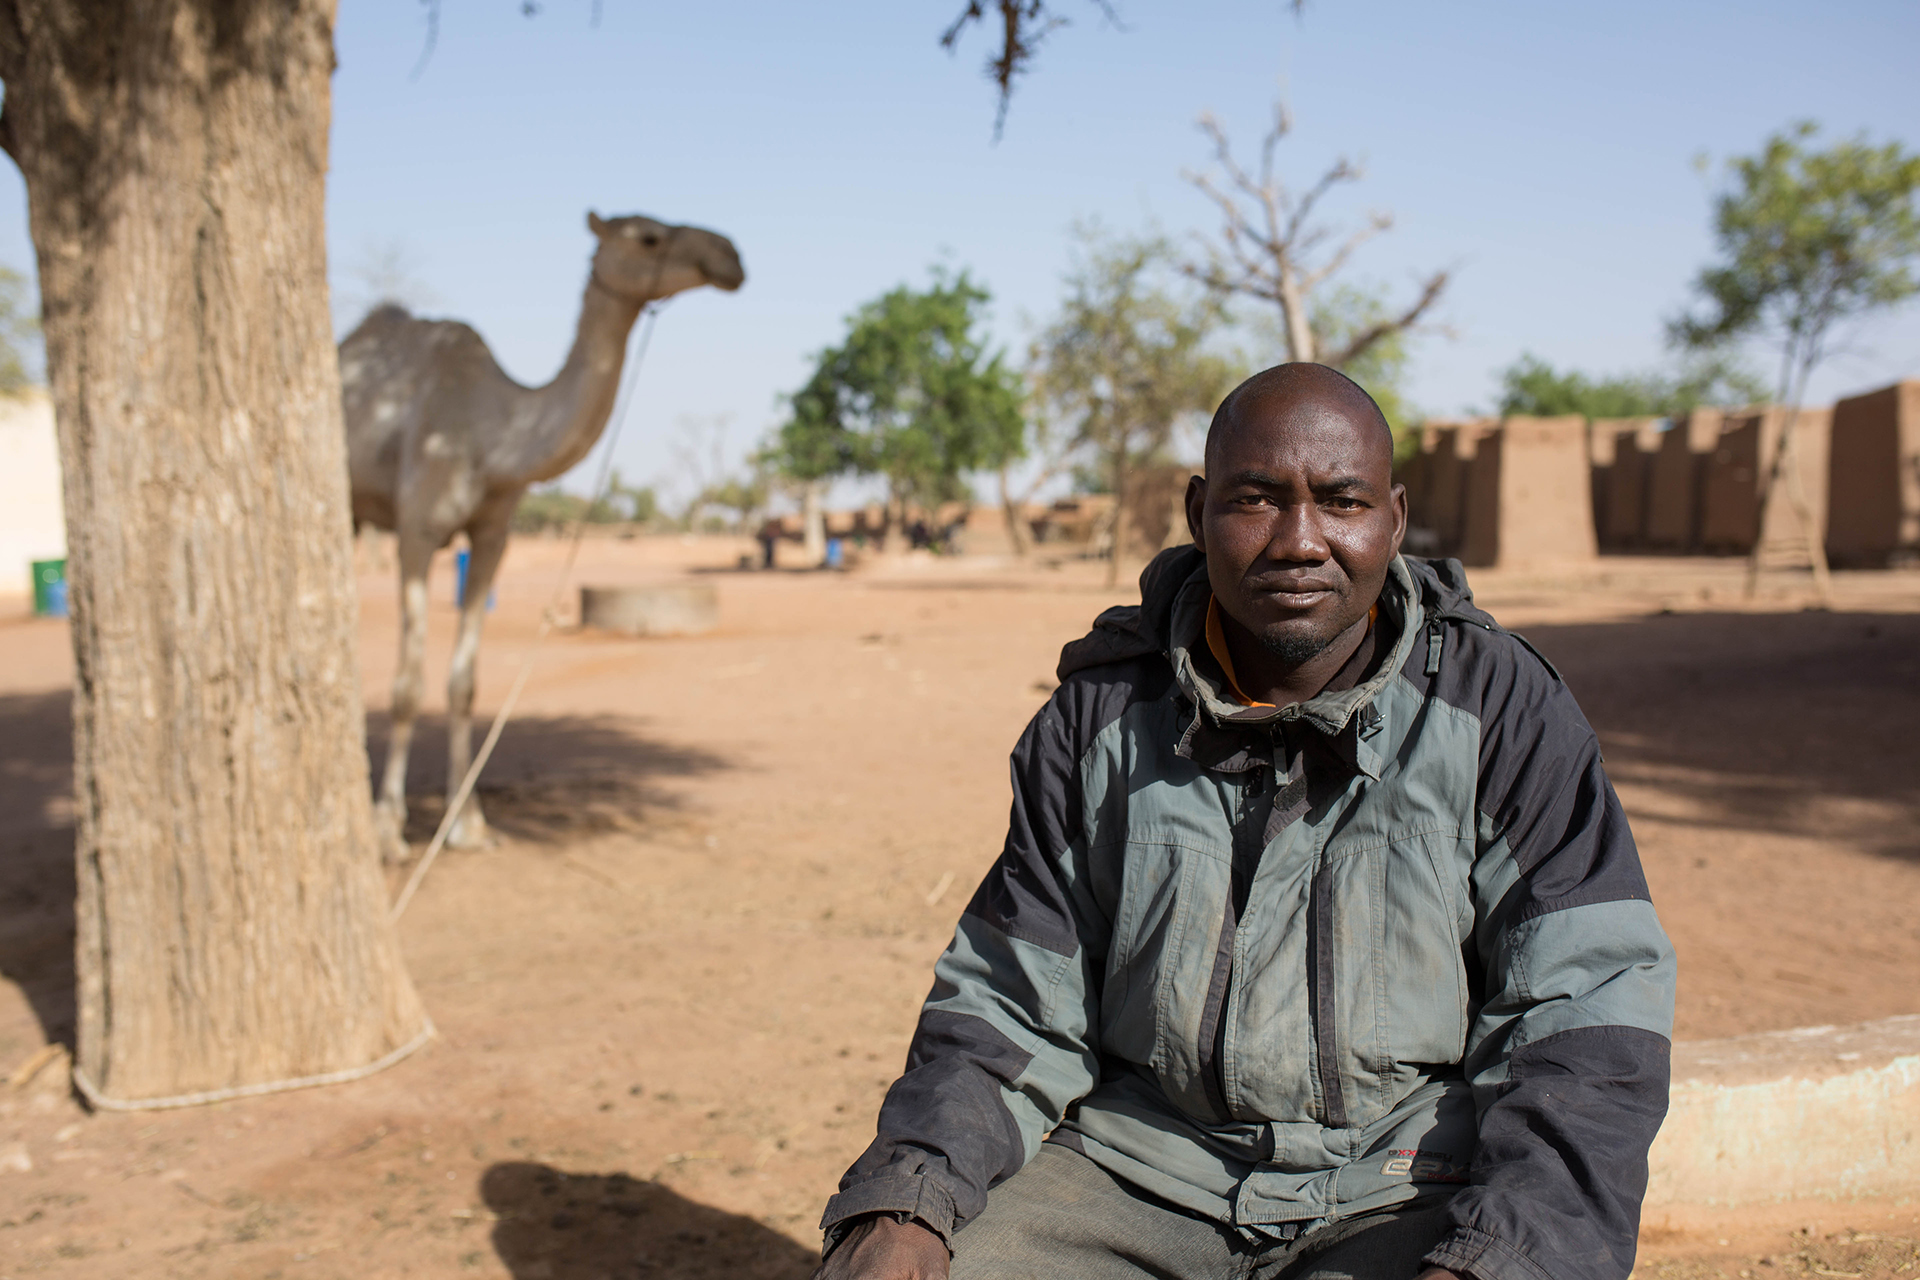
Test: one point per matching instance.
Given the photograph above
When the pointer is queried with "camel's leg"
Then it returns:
(390, 813)
(487, 539)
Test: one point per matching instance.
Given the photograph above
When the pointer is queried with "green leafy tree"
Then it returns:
(1532, 386)
(1125, 360)
(19, 329)
(913, 395)
(1809, 239)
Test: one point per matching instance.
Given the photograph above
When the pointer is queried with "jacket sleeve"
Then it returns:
(1570, 1051)
(1003, 1045)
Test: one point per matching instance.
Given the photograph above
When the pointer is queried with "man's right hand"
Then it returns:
(878, 1248)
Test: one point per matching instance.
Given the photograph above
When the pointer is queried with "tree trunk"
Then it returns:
(1784, 475)
(1293, 315)
(1014, 513)
(813, 525)
(1117, 545)
(231, 915)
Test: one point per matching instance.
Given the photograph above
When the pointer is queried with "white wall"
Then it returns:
(32, 523)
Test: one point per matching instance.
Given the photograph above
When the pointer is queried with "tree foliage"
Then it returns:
(549, 507)
(1125, 359)
(19, 329)
(1808, 240)
(912, 394)
(1532, 386)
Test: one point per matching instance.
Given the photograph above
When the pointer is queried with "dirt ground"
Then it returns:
(671, 996)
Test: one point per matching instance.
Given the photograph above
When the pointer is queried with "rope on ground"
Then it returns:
(103, 1102)
(547, 616)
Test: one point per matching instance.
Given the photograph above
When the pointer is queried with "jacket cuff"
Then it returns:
(1473, 1252)
(908, 1196)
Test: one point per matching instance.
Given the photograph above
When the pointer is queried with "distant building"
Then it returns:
(33, 523)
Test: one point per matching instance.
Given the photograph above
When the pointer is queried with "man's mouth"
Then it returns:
(1295, 595)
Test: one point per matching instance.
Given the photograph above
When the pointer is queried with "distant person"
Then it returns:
(769, 540)
(1319, 946)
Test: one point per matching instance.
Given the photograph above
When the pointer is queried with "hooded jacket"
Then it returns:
(1280, 966)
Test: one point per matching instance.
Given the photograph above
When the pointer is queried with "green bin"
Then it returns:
(50, 588)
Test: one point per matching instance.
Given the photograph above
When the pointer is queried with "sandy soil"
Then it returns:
(672, 995)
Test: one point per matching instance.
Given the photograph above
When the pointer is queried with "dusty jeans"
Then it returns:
(1063, 1217)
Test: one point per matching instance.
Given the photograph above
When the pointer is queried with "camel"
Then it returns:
(440, 441)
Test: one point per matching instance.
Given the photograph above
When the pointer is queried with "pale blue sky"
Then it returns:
(1543, 151)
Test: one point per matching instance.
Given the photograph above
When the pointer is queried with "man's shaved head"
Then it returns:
(1296, 383)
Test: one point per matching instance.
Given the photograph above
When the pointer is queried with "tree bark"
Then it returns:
(231, 911)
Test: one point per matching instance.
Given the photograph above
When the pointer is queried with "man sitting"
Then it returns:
(1319, 946)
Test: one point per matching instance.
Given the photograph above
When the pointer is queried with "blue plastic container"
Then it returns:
(460, 582)
(50, 588)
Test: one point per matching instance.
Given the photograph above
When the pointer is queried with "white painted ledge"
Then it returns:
(1813, 1113)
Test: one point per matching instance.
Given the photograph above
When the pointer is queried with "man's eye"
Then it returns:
(1253, 500)
(1344, 504)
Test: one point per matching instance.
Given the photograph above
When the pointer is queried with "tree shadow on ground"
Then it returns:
(36, 855)
(555, 1225)
(1803, 723)
(552, 778)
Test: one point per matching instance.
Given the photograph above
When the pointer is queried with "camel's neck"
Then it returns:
(572, 410)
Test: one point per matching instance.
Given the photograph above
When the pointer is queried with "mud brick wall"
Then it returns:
(1736, 473)
(1873, 484)
(1529, 498)
(1621, 513)
(1675, 476)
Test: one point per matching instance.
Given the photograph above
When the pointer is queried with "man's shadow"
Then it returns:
(554, 1225)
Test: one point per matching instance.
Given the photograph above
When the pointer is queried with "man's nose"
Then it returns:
(1297, 536)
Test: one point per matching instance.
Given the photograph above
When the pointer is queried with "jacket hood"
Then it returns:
(1171, 617)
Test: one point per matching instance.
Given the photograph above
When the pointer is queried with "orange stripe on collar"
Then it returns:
(1217, 645)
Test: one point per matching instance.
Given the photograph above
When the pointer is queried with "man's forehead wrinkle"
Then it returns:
(1315, 439)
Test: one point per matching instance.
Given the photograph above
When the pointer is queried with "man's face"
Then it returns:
(1299, 518)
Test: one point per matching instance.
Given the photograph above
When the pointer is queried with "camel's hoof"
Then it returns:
(470, 831)
(389, 826)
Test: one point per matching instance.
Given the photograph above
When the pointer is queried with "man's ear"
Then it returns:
(1399, 517)
(598, 225)
(1196, 511)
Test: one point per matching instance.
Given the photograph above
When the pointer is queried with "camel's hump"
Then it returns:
(393, 328)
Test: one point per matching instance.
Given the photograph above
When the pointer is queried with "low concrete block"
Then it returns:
(671, 609)
(1817, 1112)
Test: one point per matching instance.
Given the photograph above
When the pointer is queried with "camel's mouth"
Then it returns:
(729, 277)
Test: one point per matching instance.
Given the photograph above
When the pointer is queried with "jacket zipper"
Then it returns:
(1247, 844)
(1320, 970)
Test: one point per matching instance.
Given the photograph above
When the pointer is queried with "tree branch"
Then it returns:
(1405, 321)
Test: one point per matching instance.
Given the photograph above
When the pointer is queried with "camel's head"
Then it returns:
(641, 259)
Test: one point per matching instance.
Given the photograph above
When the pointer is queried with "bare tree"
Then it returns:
(1271, 248)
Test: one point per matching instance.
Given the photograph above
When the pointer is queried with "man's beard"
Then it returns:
(1296, 648)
